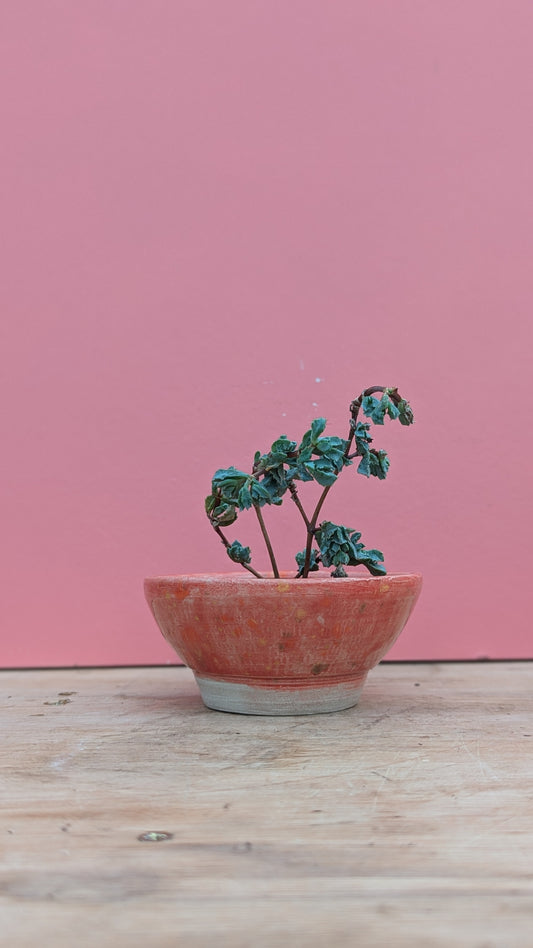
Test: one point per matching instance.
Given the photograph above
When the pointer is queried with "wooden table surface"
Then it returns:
(407, 821)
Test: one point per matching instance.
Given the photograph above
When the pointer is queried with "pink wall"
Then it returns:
(221, 219)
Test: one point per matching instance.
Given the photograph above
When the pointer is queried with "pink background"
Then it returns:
(222, 218)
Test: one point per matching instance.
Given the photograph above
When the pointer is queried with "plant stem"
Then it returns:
(295, 497)
(267, 541)
(227, 543)
(311, 531)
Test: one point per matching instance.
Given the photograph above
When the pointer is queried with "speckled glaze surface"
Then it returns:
(281, 646)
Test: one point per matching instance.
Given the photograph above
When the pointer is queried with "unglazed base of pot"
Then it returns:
(240, 698)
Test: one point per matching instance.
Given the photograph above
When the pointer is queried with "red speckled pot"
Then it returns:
(281, 646)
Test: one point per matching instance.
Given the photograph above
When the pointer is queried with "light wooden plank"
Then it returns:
(405, 821)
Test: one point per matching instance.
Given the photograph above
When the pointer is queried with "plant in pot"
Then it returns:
(295, 642)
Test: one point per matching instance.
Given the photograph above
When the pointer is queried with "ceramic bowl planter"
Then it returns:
(281, 646)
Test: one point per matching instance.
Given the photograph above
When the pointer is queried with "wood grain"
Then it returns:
(407, 821)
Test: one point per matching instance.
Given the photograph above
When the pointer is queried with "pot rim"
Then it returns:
(285, 576)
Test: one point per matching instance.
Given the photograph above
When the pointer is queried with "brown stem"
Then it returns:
(297, 501)
(267, 541)
(311, 531)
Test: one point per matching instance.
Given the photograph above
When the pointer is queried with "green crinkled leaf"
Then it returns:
(336, 543)
(210, 503)
(316, 458)
(259, 493)
(239, 553)
(372, 409)
(231, 486)
(297, 471)
(317, 427)
(388, 405)
(220, 513)
(244, 499)
(373, 560)
(279, 451)
(271, 468)
(228, 482)
(406, 412)
(224, 515)
(275, 483)
(362, 437)
(300, 560)
(322, 471)
(253, 493)
(339, 547)
(306, 442)
(330, 461)
(334, 449)
(229, 475)
(364, 465)
(379, 464)
(375, 464)
(377, 408)
(310, 437)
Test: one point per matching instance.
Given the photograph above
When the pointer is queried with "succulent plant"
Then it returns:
(317, 457)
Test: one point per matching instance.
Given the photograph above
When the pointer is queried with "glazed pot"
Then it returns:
(281, 646)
